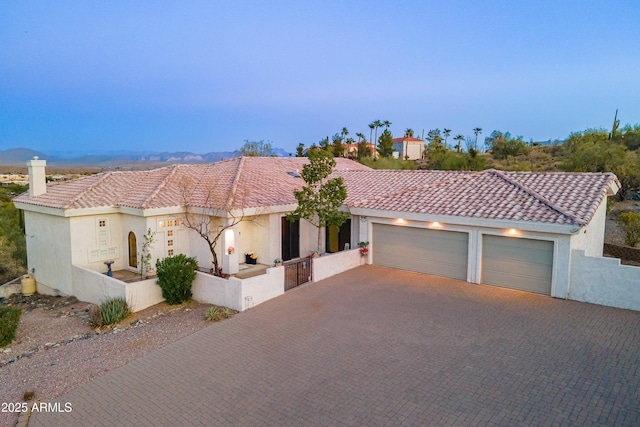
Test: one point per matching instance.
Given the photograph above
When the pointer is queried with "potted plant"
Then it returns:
(277, 262)
(364, 250)
(230, 250)
(250, 257)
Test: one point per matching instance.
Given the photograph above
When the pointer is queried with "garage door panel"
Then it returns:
(517, 281)
(538, 256)
(517, 263)
(436, 252)
(521, 267)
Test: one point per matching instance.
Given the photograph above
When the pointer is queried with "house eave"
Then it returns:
(471, 221)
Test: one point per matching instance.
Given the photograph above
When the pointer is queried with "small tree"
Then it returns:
(300, 150)
(385, 144)
(201, 216)
(320, 199)
(145, 253)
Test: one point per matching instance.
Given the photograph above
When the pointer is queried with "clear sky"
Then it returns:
(204, 76)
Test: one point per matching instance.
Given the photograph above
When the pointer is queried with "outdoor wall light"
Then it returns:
(400, 221)
(513, 232)
(436, 224)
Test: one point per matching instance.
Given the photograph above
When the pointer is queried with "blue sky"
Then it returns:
(204, 76)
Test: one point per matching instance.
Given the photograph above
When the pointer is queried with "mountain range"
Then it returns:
(18, 157)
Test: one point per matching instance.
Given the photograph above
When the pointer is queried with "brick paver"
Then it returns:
(377, 346)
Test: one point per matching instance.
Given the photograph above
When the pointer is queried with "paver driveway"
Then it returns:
(377, 346)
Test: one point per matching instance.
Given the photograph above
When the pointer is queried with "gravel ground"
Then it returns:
(56, 351)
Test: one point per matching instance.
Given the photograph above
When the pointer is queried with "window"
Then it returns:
(102, 223)
(170, 233)
(160, 224)
(170, 252)
(169, 223)
(169, 242)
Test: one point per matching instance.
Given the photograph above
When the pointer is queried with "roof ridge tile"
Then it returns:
(234, 186)
(535, 195)
(160, 186)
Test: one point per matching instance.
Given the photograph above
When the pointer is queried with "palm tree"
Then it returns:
(477, 131)
(360, 136)
(377, 124)
(458, 138)
(371, 126)
(386, 124)
(446, 133)
(408, 133)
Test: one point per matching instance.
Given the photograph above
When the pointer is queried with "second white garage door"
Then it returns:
(523, 264)
(437, 252)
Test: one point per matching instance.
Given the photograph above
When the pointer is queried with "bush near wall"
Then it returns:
(9, 318)
(175, 276)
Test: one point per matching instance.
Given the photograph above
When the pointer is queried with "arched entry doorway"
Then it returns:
(133, 250)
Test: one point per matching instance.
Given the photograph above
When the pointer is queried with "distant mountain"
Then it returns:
(14, 156)
(18, 157)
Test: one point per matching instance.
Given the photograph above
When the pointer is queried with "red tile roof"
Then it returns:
(253, 182)
(560, 198)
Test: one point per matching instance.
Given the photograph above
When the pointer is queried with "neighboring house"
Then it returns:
(408, 147)
(351, 150)
(512, 229)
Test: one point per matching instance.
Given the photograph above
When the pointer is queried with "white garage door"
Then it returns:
(523, 264)
(442, 253)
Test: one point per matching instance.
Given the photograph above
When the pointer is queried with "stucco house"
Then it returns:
(522, 230)
(408, 147)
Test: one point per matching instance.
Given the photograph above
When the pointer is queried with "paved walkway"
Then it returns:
(376, 346)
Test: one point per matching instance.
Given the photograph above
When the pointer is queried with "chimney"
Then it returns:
(37, 180)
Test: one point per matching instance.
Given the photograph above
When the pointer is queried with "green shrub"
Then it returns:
(175, 276)
(217, 313)
(631, 221)
(109, 312)
(9, 318)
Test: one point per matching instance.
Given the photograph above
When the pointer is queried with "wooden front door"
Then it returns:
(133, 250)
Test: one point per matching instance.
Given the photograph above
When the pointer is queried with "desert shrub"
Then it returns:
(9, 318)
(217, 313)
(109, 312)
(175, 276)
(631, 221)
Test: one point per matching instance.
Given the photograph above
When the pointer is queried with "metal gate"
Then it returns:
(297, 272)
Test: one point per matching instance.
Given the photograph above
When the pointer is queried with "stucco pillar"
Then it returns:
(229, 250)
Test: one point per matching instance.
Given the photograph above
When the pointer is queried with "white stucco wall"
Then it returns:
(236, 293)
(591, 237)
(96, 288)
(329, 265)
(91, 286)
(604, 281)
(84, 235)
(48, 240)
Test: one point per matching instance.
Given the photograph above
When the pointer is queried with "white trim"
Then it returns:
(471, 221)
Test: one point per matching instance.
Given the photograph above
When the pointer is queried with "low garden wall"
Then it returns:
(604, 281)
(238, 294)
(329, 265)
(94, 287)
